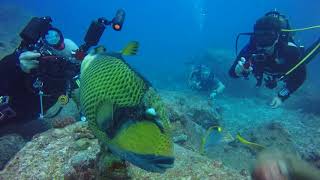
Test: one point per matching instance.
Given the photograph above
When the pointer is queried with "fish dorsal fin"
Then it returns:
(131, 49)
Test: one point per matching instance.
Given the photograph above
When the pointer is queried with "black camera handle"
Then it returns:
(92, 37)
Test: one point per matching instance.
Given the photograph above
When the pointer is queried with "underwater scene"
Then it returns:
(172, 90)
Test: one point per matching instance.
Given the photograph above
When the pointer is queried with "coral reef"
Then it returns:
(56, 154)
(190, 115)
(282, 128)
(10, 145)
(186, 106)
(60, 122)
(190, 165)
(53, 155)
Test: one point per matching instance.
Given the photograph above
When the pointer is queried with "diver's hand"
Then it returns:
(213, 95)
(276, 102)
(270, 169)
(211, 98)
(28, 61)
(240, 67)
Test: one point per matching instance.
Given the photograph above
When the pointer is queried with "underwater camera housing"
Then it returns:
(36, 28)
(58, 68)
(96, 30)
(39, 34)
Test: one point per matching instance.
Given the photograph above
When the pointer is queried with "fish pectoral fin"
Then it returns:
(105, 116)
(159, 124)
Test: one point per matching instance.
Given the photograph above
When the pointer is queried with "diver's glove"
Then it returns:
(276, 102)
(28, 61)
(243, 67)
(213, 95)
(212, 98)
(282, 96)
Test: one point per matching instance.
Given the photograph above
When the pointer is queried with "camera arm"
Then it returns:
(96, 30)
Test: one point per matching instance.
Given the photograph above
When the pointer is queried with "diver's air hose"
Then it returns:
(311, 55)
(238, 36)
(300, 29)
(307, 58)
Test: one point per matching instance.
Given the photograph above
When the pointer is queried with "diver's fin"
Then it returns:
(105, 116)
(131, 49)
(249, 144)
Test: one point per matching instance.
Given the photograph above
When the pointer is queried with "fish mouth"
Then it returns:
(148, 162)
(161, 163)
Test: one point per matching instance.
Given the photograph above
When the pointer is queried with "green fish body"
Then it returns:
(112, 96)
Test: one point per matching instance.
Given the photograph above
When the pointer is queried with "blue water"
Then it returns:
(169, 31)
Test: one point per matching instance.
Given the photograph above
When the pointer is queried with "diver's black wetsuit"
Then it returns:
(205, 84)
(24, 100)
(288, 55)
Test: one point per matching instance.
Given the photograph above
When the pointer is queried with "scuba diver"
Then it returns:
(36, 74)
(269, 55)
(202, 78)
(42, 71)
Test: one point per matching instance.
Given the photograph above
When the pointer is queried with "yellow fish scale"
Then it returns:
(144, 137)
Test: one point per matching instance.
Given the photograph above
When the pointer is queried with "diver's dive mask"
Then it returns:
(264, 39)
(54, 38)
(266, 31)
(205, 73)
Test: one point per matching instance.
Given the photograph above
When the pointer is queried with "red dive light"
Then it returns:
(117, 27)
(118, 20)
